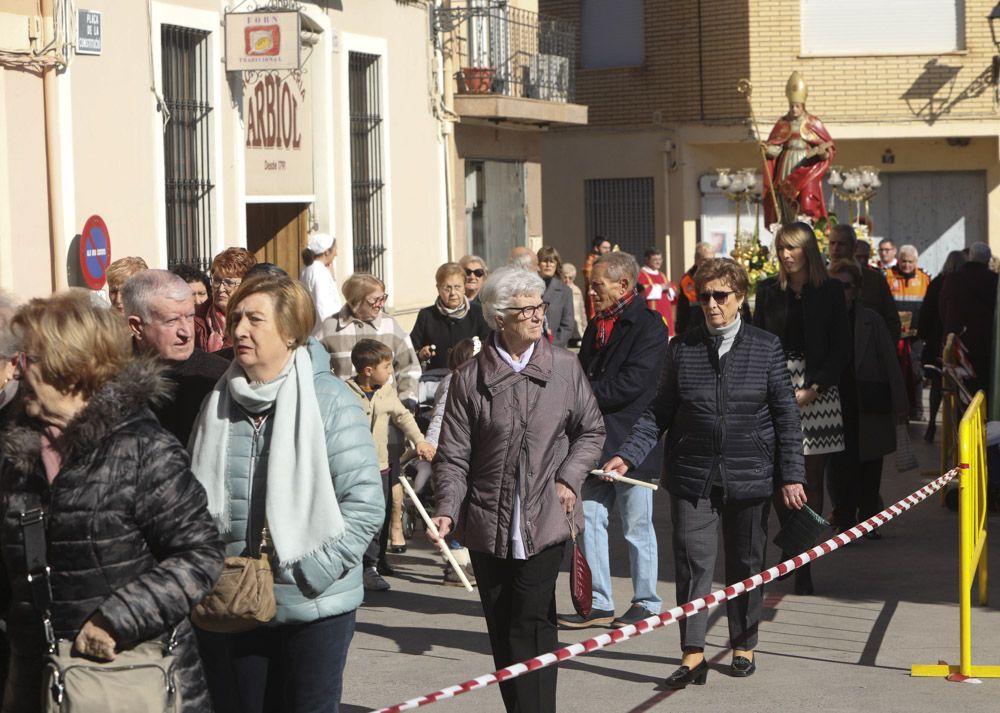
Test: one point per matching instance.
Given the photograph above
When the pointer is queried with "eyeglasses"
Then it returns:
(230, 283)
(452, 288)
(529, 311)
(846, 285)
(378, 301)
(478, 272)
(720, 297)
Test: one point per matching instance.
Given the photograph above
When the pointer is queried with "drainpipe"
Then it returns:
(53, 165)
(443, 97)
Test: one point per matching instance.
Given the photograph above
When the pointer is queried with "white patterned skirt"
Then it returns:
(822, 420)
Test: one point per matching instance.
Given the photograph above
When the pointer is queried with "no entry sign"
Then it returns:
(95, 252)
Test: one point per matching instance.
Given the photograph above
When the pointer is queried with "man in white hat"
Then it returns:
(318, 279)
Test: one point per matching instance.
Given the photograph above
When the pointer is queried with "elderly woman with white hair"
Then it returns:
(521, 431)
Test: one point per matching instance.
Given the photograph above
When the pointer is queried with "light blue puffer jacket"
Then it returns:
(327, 585)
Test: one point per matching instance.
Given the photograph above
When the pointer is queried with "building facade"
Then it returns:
(913, 95)
(146, 123)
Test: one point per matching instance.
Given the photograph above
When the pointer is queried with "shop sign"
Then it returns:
(277, 120)
(257, 41)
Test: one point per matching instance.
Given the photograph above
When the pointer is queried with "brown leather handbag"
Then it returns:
(581, 587)
(243, 598)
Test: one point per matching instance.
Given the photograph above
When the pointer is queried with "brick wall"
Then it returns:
(686, 80)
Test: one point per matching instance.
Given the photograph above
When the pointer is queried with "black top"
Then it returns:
(736, 416)
(443, 332)
(193, 378)
(826, 332)
(794, 339)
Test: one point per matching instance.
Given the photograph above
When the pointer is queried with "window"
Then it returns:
(862, 27)
(186, 145)
(367, 186)
(612, 34)
(621, 210)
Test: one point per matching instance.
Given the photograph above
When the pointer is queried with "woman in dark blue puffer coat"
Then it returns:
(725, 401)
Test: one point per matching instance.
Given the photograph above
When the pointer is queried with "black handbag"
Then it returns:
(141, 679)
(801, 530)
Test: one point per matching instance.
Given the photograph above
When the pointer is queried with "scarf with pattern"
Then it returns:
(604, 322)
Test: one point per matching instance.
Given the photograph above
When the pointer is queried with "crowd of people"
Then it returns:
(193, 422)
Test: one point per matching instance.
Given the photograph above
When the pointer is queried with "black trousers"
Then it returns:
(854, 486)
(696, 542)
(519, 602)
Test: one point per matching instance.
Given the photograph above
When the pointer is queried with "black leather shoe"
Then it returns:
(742, 667)
(397, 549)
(635, 614)
(685, 675)
(597, 617)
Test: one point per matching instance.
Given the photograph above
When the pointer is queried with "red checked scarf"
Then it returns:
(605, 321)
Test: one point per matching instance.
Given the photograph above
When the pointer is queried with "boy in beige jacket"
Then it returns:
(372, 361)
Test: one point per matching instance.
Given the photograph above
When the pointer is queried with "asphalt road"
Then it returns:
(879, 607)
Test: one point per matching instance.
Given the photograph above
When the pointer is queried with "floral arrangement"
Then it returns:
(757, 259)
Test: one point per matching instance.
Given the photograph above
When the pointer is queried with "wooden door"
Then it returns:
(277, 233)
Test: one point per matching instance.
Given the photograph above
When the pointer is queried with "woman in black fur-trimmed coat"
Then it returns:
(131, 545)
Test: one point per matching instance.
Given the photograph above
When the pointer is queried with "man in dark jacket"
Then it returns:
(622, 354)
(875, 293)
(968, 300)
(159, 307)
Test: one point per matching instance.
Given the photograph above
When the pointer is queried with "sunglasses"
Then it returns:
(846, 285)
(720, 297)
(478, 272)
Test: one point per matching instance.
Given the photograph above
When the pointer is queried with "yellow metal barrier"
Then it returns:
(972, 538)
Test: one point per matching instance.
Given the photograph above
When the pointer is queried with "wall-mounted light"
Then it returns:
(888, 157)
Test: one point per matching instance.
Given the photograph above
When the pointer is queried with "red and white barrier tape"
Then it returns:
(684, 610)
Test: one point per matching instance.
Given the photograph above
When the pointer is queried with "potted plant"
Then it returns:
(475, 80)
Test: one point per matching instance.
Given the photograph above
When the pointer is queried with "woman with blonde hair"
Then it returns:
(297, 459)
(363, 317)
(129, 543)
(806, 310)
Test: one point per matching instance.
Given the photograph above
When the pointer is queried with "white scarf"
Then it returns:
(457, 313)
(303, 516)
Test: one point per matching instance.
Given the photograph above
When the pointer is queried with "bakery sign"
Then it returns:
(258, 41)
(277, 127)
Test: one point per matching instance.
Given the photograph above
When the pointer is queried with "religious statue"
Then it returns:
(798, 154)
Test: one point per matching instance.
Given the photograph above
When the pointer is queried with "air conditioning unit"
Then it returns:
(547, 78)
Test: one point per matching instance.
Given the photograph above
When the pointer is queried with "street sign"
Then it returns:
(95, 252)
(88, 32)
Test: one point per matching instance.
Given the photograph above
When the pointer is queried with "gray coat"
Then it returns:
(559, 315)
(875, 367)
(542, 423)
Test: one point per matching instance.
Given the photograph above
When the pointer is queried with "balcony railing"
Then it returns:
(509, 51)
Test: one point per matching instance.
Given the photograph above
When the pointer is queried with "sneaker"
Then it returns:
(597, 617)
(635, 614)
(452, 579)
(374, 582)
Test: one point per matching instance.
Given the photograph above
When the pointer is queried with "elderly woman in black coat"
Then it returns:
(130, 544)
(725, 401)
